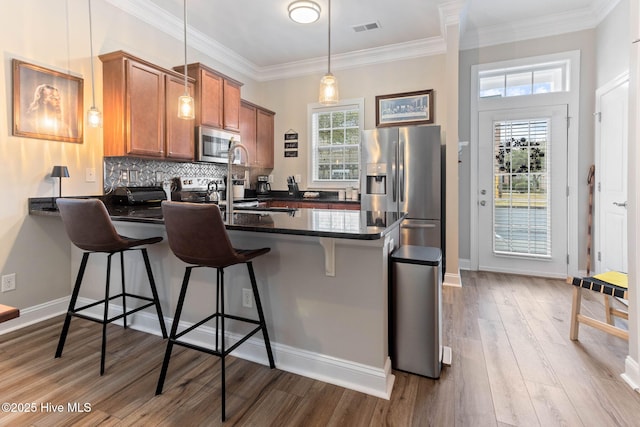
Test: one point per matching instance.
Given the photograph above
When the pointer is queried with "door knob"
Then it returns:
(482, 203)
(622, 205)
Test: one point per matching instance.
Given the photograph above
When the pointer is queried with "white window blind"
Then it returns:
(521, 202)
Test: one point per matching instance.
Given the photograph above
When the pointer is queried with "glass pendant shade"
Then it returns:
(94, 117)
(304, 12)
(328, 90)
(186, 108)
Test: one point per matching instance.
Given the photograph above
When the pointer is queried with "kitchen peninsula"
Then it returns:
(323, 286)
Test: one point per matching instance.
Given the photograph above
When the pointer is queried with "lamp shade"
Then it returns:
(60, 172)
(304, 12)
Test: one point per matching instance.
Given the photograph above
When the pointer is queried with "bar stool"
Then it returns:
(89, 227)
(197, 236)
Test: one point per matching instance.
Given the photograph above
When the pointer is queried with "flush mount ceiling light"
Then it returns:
(304, 12)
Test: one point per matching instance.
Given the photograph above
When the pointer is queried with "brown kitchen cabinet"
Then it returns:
(256, 133)
(217, 97)
(347, 206)
(179, 132)
(138, 116)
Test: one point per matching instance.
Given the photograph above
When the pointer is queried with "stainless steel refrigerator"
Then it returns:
(401, 172)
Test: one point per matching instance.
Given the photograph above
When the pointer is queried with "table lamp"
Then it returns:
(60, 172)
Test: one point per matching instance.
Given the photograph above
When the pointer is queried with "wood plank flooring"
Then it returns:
(513, 365)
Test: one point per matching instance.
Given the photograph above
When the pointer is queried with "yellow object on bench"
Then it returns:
(611, 283)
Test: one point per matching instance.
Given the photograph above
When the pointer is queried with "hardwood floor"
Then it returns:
(513, 364)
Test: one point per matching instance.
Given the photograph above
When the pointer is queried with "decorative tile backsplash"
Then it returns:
(135, 172)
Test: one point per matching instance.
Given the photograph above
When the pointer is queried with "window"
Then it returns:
(335, 141)
(520, 81)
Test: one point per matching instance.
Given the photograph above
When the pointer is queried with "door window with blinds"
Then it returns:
(521, 202)
(335, 138)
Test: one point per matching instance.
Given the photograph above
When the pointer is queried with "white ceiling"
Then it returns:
(257, 37)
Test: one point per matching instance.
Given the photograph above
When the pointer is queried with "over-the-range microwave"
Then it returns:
(212, 145)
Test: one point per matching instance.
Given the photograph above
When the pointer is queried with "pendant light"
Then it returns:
(186, 108)
(94, 116)
(328, 84)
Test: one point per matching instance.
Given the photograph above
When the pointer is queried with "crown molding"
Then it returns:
(379, 55)
(560, 23)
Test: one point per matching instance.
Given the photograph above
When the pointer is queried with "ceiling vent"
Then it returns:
(366, 27)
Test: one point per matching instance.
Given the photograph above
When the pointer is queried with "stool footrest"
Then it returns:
(210, 350)
(76, 312)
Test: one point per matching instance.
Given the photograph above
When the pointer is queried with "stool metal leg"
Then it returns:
(106, 315)
(154, 291)
(72, 304)
(124, 299)
(174, 330)
(263, 324)
(222, 355)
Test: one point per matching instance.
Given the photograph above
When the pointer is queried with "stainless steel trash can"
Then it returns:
(415, 303)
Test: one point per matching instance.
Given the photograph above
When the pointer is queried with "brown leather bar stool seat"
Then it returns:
(89, 227)
(197, 236)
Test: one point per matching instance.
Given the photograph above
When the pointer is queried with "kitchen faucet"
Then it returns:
(231, 157)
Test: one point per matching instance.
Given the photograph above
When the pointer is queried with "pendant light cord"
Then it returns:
(185, 47)
(93, 81)
(329, 58)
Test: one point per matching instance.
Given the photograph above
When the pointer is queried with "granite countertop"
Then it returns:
(344, 224)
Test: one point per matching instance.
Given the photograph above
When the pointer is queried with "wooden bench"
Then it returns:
(8, 313)
(612, 284)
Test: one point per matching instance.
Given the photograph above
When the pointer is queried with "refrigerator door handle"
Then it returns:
(416, 225)
(402, 165)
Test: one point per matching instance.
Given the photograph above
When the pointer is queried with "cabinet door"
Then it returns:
(264, 139)
(210, 99)
(248, 131)
(231, 109)
(144, 110)
(180, 142)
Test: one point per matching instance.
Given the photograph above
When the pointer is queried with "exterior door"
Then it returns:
(522, 183)
(611, 178)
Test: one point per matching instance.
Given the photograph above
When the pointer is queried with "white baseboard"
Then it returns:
(451, 279)
(344, 373)
(631, 373)
(35, 314)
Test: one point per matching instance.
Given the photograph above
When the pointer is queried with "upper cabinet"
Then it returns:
(140, 110)
(256, 133)
(217, 97)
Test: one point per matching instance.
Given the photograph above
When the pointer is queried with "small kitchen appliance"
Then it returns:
(197, 189)
(263, 187)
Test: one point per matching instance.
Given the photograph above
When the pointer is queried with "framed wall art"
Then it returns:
(409, 108)
(47, 104)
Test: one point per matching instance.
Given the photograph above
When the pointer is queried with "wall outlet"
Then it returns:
(9, 282)
(271, 179)
(90, 175)
(247, 298)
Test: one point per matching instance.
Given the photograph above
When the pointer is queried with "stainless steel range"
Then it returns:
(196, 189)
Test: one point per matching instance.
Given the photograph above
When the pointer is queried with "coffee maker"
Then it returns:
(263, 187)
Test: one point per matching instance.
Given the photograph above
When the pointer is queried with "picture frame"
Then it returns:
(408, 108)
(47, 104)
